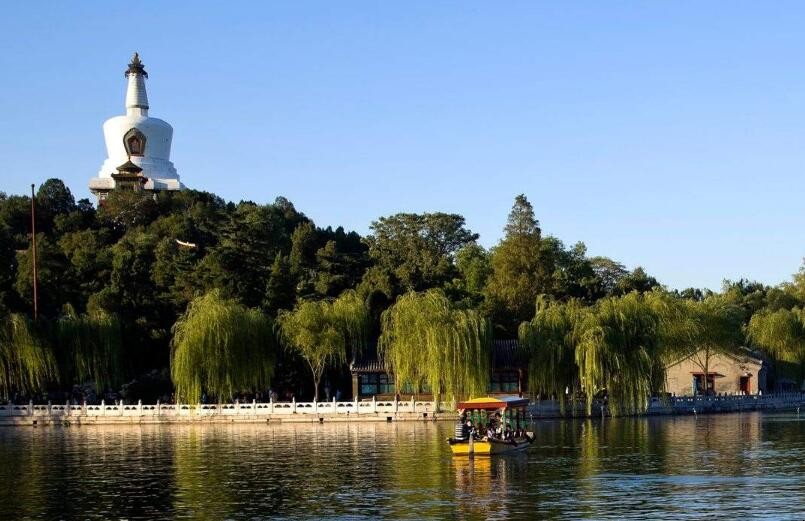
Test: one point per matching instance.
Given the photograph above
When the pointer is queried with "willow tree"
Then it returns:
(426, 341)
(220, 347)
(549, 341)
(26, 362)
(714, 328)
(90, 347)
(324, 332)
(619, 350)
(781, 334)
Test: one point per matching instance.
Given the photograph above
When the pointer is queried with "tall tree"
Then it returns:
(324, 332)
(427, 342)
(419, 249)
(281, 287)
(716, 330)
(609, 274)
(520, 271)
(221, 348)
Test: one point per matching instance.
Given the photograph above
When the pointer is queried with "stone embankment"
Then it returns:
(354, 411)
(252, 412)
(681, 405)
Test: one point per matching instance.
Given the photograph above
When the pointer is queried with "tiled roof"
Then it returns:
(505, 355)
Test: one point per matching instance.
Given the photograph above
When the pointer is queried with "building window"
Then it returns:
(505, 382)
(376, 383)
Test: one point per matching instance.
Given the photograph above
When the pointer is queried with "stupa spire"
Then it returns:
(136, 97)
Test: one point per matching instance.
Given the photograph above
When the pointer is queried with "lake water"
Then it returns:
(749, 465)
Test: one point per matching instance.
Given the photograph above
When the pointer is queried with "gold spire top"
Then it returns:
(136, 66)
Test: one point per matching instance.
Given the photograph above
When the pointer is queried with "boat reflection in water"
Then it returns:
(483, 486)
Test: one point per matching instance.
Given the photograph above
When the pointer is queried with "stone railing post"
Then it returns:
(271, 404)
(315, 405)
(49, 406)
(254, 406)
(84, 408)
(103, 407)
(159, 408)
(357, 408)
(413, 404)
(293, 404)
(67, 407)
(396, 404)
(140, 407)
(374, 403)
(30, 407)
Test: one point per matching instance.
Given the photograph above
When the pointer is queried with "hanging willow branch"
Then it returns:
(781, 334)
(427, 342)
(549, 342)
(322, 332)
(92, 345)
(618, 352)
(221, 347)
(26, 363)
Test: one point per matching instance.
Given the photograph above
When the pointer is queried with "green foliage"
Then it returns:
(51, 270)
(280, 288)
(427, 341)
(781, 334)
(26, 362)
(549, 342)
(521, 268)
(324, 332)
(419, 249)
(221, 348)
(92, 346)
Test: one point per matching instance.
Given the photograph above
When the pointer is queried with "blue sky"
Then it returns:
(663, 134)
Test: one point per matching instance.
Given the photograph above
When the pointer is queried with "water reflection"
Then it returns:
(658, 468)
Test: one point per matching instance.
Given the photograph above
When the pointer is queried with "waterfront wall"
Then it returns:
(374, 410)
(681, 405)
(250, 412)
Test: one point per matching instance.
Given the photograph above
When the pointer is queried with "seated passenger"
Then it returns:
(490, 431)
(508, 434)
(460, 433)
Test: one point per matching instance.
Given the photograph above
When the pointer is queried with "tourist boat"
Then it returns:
(509, 410)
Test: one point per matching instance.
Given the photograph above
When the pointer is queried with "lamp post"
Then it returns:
(33, 251)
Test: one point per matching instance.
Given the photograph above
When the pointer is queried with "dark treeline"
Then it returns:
(115, 281)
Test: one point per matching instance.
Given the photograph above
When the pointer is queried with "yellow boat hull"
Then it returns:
(488, 448)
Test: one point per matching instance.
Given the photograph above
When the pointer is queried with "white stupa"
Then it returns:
(138, 147)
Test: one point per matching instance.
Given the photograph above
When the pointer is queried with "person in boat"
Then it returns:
(508, 434)
(490, 431)
(461, 432)
(498, 423)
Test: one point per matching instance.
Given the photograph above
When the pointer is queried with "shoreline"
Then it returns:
(32, 415)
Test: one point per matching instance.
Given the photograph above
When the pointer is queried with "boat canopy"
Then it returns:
(488, 403)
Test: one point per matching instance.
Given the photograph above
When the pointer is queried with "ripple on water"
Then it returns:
(648, 468)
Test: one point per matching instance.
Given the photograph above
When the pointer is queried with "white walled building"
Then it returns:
(137, 146)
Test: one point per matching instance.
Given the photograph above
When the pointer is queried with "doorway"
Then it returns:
(744, 384)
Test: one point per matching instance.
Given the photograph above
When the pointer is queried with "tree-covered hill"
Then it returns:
(120, 276)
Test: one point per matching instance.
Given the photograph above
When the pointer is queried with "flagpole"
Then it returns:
(33, 251)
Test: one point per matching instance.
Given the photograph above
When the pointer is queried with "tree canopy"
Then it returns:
(429, 343)
(118, 284)
(220, 347)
